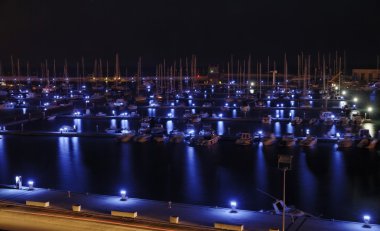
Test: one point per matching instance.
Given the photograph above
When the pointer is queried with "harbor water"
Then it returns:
(323, 181)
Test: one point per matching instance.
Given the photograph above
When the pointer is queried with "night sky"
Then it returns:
(213, 30)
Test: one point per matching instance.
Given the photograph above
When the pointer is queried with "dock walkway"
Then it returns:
(157, 213)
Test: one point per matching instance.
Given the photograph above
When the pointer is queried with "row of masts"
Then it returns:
(240, 72)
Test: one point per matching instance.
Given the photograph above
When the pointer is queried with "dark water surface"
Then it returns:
(337, 184)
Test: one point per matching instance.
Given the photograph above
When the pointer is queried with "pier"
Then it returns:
(150, 215)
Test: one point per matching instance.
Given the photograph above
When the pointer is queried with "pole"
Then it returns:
(283, 198)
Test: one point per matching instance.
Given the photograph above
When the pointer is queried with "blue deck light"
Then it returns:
(123, 194)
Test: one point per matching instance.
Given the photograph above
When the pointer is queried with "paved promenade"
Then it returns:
(157, 213)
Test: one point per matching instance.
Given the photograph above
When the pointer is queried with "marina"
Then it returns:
(196, 141)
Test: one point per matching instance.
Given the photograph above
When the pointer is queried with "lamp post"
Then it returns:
(284, 164)
(233, 205)
(366, 219)
(31, 184)
(123, 195)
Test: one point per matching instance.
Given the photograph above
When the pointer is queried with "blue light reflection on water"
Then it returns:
(289, 128)
(307, 180)
(277, 129)
(71, 171)
(151, 112)
(233, 113)
(169, 126)
(192, 176)
(125, 124)
(113, 123)
(161, 171)
(3, 160)
(220, 128)
(78, 124)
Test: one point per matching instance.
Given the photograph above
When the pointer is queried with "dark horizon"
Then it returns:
(212, 30)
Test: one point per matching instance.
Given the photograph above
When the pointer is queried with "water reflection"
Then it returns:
(70, 166)
(78, 124)
(192, 176)
(234, 113)
(124, 124)
(113, 123)
(337, 178)
(169, 126)
(220, 128)
(3, 160)
(261, 167)
(306, 180)
(289, 128)
(151, 112)
(277, 129)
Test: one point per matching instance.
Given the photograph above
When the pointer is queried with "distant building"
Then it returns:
(366, 75)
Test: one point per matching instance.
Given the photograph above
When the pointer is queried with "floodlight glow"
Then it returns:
(307, 131)
(355, 99)
(338, 134)
(366, 219)
(123, 194)
(30, 183)
(369, 109)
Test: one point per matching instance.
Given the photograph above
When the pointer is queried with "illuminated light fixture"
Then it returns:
(338, 135)
(233, 205)
(307, 131)
(355, 99)
(123, 195)
(18, 180)
(369, 109)
(366, 219)
(31, 184)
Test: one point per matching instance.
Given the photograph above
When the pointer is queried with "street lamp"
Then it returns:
(284, 164)
(31, 183)
(366, 219)
(233, 205)
(123, 195)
